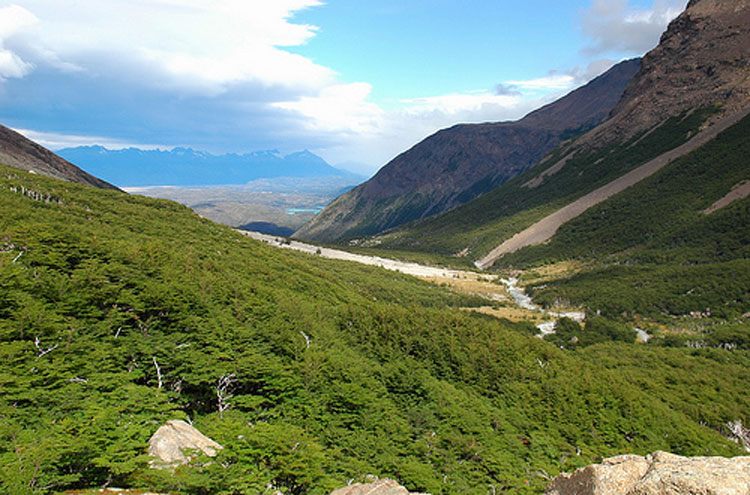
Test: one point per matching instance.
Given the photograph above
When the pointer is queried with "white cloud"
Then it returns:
(460, 102)
(13, 19)
(616, 26)
(202, 46)
(342, 108)
(57, 141)
(552, 82)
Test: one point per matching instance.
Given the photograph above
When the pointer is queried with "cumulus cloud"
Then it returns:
(13, 19)
(506, 90)
(200, 46)
(339, 108)
(616, 26)
(456, 103)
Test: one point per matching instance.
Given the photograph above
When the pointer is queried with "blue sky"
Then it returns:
(356, 81)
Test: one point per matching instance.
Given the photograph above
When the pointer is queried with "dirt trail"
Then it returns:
(545, 228)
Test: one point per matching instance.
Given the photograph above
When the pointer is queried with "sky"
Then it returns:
(354, 81)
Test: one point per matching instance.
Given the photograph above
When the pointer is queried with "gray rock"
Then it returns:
(172, 443)
(378, 487)
(658, 474)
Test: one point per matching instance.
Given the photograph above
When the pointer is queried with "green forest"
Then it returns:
(119, 312)
(652, 252)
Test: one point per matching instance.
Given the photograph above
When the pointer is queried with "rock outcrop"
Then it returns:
(701, 61)
(660, 473)
(172, 443)
(379, 487)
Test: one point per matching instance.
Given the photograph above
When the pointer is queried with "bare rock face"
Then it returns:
(613, 476)
(379, 487)
(171, 443)
(660, 473)
(701, 61)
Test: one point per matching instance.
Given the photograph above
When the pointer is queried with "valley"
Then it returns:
(502, 303)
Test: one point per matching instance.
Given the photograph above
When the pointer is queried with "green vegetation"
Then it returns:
(485, 222)
(652, 251)
(339, 370)
(570, 334)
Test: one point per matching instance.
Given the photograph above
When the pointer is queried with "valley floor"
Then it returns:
(505, 298)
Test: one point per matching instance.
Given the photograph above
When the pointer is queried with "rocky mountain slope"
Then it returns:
(458, 164)
(701, 61)
(698, 75)
(20, 152)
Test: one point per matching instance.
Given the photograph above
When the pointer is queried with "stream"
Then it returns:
(523, 300)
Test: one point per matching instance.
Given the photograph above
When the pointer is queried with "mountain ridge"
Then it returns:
(18, 151)
(459, 163)
(673, 97)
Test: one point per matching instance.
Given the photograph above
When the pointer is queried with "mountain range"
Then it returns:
(701, 59)
(133, 167)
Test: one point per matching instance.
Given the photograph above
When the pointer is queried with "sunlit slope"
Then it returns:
(118, 313)
(676, 244)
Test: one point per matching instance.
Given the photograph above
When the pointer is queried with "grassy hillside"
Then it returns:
(655, 252)
(337, 370)
(476, 227)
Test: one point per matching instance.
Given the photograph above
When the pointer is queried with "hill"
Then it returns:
(646, 124)
(134, 167)
(458, 164)
(20, 152)
(119, 312)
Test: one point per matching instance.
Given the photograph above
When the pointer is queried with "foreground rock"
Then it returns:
(660, 473)
(172, 443)
(379, 487)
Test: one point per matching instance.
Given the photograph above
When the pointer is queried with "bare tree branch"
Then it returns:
(158, 371)
(42, 352)
(223, 392)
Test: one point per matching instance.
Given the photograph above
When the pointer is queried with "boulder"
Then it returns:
(673, 474)
(378, 487)
(614, 476)
(660, 473)
(172, 443)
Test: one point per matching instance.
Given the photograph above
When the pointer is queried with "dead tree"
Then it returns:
(42, 352)
(158, 371)
(223, 391)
